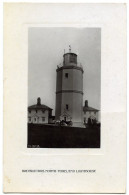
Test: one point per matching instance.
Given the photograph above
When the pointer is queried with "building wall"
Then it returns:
(38, 117)
(67, 83)
(77, 80)
(77, 107)
(58, 106)
(88, 114)
(59, 81)
(67, 99)
(71, 95)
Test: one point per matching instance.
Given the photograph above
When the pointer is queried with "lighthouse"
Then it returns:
(69, 90)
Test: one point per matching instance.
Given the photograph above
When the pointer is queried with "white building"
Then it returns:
(39, 113)
(69, 90)
(89, 112)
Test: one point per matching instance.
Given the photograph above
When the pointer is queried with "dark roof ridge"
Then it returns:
(89, 108)
(41, 106)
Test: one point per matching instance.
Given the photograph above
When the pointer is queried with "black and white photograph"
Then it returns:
(64, 80)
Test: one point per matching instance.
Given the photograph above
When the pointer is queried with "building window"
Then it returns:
(29, 119)
(36, 111)
(29, 111)
(67, 106)
(43, 111)
(35, 119)
(43, 119)
(66, 75)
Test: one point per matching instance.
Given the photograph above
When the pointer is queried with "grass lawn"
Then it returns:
(50, 136)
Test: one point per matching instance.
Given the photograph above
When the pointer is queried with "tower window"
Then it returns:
(67, 106)
(66, 75)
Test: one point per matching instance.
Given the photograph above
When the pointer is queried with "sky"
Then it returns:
(45, 51)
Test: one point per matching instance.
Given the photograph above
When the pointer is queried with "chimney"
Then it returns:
(86, 103)
(38, 101)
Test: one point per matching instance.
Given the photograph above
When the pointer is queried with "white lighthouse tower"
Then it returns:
(69, 90)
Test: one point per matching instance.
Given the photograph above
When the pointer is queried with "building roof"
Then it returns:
(39, 107)
(70, 53)
(87, 108)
